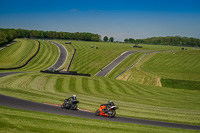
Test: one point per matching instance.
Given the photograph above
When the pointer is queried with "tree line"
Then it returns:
(7, 35)
(169, 40)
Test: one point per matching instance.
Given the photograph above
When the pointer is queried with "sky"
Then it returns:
(120, 19)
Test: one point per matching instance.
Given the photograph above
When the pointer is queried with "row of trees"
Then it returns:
(169, 40)
(7, 35)
(111, 39)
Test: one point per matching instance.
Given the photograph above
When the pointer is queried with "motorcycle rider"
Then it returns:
(70, 103)
(72, 98)
(110, 104)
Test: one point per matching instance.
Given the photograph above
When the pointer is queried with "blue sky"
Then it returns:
(118, 18)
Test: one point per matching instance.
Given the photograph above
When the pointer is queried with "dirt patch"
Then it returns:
(124, 76)
(159, 82)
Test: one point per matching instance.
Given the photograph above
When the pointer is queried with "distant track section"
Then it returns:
(7, 73)
(34, 106)
(63, 55)
(114, 63)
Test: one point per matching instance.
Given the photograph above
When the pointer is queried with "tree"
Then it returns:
(111, 39)
(95, 38)
(3, 38)
(131, 40)
(105, 38)
(126, 40)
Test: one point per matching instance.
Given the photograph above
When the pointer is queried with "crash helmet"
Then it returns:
(74, 95)
(109, 101)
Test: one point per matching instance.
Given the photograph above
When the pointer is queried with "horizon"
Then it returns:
(127, 19)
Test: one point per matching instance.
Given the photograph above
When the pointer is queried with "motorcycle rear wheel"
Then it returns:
(74, 106)
(111, 113)
(97, 113)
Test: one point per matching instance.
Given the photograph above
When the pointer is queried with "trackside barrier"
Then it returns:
(25, 62)
(71, 60)
(66, 73)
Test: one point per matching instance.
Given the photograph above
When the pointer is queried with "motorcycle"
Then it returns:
(69, 104)
(105, 110)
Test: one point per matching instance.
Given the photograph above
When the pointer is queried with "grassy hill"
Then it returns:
(137, 96)
(134, 100)
(19, 53)
(91, 60)
(178, 69)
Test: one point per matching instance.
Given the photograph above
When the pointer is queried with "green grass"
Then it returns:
(182, 65)
(45, 58)
(15, 120)
(136, 75)
(181, 84)
(179, 65)
(163, 47)
(90, 60)
(18, 53)
(134, 100)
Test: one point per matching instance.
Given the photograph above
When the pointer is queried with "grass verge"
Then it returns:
(15, 120)
(134, 100)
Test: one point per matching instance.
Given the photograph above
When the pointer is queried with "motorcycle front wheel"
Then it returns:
(97, 113)
(111, 113)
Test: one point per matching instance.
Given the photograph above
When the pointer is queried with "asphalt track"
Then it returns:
(7, 73)
(62, 57)
(39, 107)
(114, 63)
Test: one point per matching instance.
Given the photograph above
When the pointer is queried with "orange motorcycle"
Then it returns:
(107, 110)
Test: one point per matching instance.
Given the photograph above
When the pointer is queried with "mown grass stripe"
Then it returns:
(97, 85)
(72, 84)
(85, 85)
(59, 84)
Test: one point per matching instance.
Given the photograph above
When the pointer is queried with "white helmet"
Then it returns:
(74, 95)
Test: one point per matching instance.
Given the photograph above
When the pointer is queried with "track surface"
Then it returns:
(39, 107)
(62, 57)
(7, 73)
(114, 63)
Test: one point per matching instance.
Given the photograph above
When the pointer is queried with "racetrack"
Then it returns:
(34, 106)
(7, 73)
(63, 56)
(114, 63)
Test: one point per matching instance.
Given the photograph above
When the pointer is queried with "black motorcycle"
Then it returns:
(69, 104)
